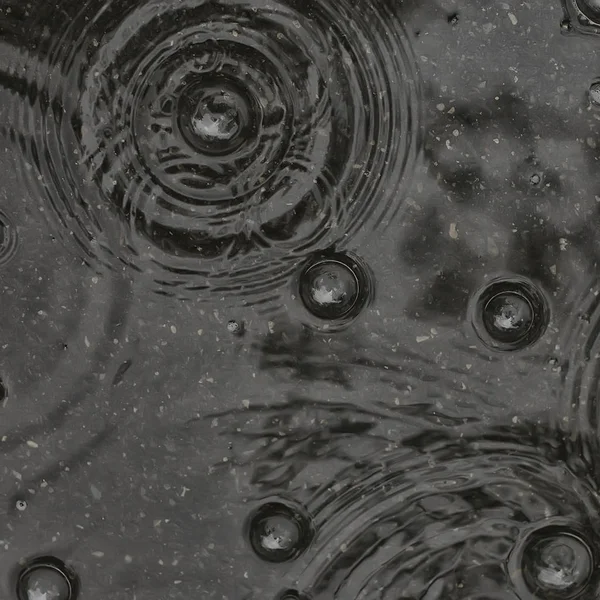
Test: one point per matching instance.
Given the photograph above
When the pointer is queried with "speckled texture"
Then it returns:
(139, 431)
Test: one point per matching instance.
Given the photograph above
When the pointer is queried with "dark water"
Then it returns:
(300, 300)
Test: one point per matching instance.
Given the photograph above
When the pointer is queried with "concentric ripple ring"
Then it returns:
(211, 145)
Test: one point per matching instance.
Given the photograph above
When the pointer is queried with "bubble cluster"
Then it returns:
(212, 146)
(47, 578)
(279, 532)
(509, 313)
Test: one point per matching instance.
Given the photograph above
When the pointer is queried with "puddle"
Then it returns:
(300, 299)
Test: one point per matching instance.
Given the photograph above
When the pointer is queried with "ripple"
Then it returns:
(8, 239)
(213, 145)
(445, 517)
(579, 364)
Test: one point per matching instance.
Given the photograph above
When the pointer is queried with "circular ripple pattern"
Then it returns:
(226, 140)
(47, 578)
(279, 532)
(8, 239)
(511, 514)
(509, 314)
(333, 289)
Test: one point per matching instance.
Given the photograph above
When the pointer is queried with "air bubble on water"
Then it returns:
(279, 532)
(594, 93)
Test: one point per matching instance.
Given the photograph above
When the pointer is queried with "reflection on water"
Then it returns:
(299, 300)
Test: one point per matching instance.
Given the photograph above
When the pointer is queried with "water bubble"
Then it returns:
(556, 563)
(292, 595)
(236, 327)
(21, 505)
(594, 93)
(8, 239)
(510, 314)
(230, 143)
(335, 287)
(566, 26)
(279, 532)
(590, 8)
(535, 179)
(47, 578)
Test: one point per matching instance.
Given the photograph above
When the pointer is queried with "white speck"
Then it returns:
(440, 107)
(98, 554)
(246, 403)
(512, 18)
(86, 341)
(422, 338)
(553, 269)
(200, 331)
(173, 329)
(563, 242)
(32, 444)
(96, 493)
(344, 547)
(453, 232)
(128, 559)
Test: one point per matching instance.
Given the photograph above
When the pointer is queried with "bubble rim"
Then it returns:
(519, 285)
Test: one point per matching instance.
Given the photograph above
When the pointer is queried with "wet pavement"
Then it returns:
(300, 300)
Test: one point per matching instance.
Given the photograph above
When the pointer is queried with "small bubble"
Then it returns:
(535, 179)
(235, 327)
(334, 287)
(594, 93)
(556, 562)
(21, 505)
(292, 595)
(47, 579)
(278, 532)
(566, 26)
(510, 314)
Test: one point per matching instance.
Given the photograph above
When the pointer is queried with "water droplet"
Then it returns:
(510, 314)
(556, 564)
(590, 8)
(594, 93)
(566, 26)
(217, 116)
(335, 287)
(235, 327)
(279, 532)
(21, 505)
(47, 578)
(8, 239)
